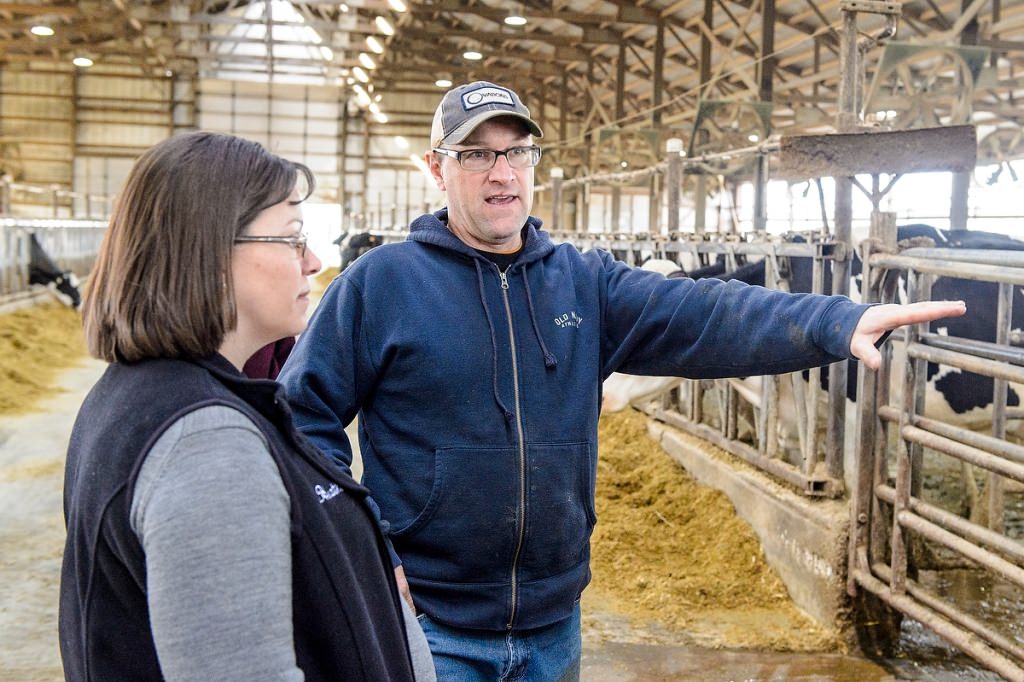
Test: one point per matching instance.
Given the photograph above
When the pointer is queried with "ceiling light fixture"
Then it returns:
(362, 98)
(443, 83)
(41, 30)
(367, 61)
(472, 55)
(397, 5)
(384, 26)
(381, 117)
(83, 62)
(360, 75)
(516, 17)
(374, 45)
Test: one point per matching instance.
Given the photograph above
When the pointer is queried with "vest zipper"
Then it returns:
(521, 515)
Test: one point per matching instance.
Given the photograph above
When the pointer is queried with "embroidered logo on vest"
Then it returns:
(324, 495)
(570, 319)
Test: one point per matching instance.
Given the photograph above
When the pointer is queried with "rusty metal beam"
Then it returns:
(952, 148)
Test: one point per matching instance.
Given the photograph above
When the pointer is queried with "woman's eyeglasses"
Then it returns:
(297, 243)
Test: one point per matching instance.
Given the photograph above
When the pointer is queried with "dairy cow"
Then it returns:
(353, 246)
(958, 397)
(43, 270)
(953, 396)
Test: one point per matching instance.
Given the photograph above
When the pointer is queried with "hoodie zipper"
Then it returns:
(521, 516)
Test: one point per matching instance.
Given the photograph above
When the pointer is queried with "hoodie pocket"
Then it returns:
(560, 507)
(468, 527)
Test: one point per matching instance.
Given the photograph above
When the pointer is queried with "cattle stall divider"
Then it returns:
(684, 407)
(73, 244)
(894, 527)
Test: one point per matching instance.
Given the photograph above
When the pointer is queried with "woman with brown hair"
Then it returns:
(207, 539)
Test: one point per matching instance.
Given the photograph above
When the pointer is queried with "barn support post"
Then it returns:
(393, 208)
(620, 112)
(847, 121)
(673, 184)
(658, 88)
(408, 198)
(766, 73)
(700, 208)
(556, 199)
(959, 195)
(835, 435)
(364, 173)
(961, 187)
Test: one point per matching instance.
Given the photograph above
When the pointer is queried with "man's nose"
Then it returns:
(501, 171)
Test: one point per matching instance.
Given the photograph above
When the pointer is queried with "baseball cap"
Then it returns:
(463, 108)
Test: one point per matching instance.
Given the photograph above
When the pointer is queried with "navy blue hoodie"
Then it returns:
(478, 394)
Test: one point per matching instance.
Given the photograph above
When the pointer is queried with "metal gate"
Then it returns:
(895, 526)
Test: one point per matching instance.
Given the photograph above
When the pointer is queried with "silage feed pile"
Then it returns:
(669, 551)
(36, 343)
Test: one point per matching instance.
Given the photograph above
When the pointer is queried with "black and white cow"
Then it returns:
(43, 270)
(356, 245)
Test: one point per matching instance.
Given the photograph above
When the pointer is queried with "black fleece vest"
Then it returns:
(346, 614)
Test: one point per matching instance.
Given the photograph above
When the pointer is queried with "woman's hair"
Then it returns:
(162, 284)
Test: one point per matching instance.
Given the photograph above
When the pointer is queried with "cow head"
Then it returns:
(44, 270)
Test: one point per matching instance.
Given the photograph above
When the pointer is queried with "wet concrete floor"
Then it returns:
(31, 540)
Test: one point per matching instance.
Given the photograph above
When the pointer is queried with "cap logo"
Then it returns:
(487, 95)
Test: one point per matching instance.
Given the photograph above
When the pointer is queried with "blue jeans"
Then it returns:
(547, 654)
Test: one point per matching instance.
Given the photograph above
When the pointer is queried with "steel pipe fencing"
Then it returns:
(896, 527)
(72, 244)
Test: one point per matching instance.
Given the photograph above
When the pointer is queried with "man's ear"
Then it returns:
(434, 164)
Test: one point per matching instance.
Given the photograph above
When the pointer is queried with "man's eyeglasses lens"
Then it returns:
(297, 243)
(484, 159)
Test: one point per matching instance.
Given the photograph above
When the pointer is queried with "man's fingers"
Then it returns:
(866, 352)
(886, 317)
(878, 320)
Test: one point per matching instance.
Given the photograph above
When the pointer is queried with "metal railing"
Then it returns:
(894, 526)
(894, 523)
(72, 244)
(685, 406)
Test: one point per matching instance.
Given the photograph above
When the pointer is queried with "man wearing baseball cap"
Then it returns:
(473, 354)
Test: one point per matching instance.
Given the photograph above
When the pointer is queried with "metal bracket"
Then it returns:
(871, 7)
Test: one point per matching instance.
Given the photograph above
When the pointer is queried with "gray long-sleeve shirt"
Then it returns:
(212, 515)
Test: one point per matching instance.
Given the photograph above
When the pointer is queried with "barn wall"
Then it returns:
(68, 138)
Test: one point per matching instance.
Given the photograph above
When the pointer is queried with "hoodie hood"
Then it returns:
(432, 228)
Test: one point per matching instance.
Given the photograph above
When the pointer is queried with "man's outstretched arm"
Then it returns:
(881, 319)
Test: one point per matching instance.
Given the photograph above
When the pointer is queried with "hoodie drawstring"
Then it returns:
(494, 343)
(549, 359)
